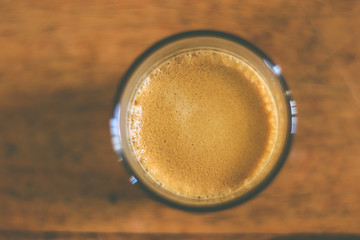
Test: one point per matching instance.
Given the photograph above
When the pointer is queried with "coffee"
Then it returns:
(202, 124)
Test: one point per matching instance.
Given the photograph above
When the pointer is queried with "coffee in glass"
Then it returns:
(203, 120)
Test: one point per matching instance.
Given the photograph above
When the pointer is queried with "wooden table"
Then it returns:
(60, 62)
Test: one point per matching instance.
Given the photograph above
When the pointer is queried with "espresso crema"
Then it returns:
(202, 124)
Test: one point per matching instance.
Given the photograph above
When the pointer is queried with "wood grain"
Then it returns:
(20, 235)
(60, 62)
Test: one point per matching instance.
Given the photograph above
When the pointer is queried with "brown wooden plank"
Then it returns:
(60, 62)
(20, 235)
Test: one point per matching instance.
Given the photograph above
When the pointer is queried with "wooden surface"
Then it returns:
(60, 62)
(23, 235)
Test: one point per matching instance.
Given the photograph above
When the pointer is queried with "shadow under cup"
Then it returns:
(192, 41)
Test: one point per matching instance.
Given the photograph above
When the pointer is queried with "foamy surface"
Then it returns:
(202, 124)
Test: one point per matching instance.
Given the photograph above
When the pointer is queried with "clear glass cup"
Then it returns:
(187, 41)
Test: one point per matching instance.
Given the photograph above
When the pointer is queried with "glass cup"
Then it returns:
(190, 41)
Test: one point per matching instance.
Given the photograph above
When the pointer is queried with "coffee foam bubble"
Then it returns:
(202, 124)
